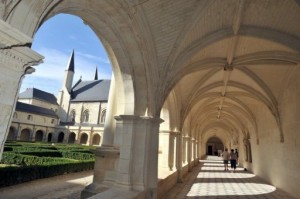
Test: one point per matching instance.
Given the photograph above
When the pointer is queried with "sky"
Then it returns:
(55, 40)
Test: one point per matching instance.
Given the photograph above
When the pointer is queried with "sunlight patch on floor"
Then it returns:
(229, 189)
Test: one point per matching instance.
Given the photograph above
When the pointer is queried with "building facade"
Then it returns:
(183, 70)
(77, 116)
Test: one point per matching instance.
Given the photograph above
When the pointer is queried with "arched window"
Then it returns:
(85, 116)
(52, 121)
(103, 115)
(15, 115)
(73, 115)
(29, 117)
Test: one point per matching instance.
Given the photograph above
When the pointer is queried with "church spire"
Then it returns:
(70, 66)
(96, 74)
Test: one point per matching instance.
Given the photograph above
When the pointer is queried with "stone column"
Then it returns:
(109, 125)
(172, 138)
(179, 156)
(195, 143)
(15, 61)
(32, 133)
(18, 132)
(136, 170)
(184, 151)
(189, 153)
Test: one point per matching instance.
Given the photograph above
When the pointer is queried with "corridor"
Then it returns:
(209, 180)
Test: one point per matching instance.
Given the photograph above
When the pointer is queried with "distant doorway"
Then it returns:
(209, 150)
(49, 137)
(214, 146)
(61, 137)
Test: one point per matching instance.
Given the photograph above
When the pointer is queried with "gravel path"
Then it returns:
(67, 186)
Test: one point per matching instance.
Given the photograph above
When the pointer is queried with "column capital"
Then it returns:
(138, 118)
(15, 52)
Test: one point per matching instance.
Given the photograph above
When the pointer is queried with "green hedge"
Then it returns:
(39, 160)
(27, 160)
(78, 156)
(16, 175)
(43, 153)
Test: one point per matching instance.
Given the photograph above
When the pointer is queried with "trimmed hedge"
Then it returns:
(39, 160)
(16, 175)
(27, 160)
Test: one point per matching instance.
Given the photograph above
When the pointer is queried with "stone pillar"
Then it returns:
(32, 134)
(136, 171)
(109, 125)
(179, 156)
(195, 143)
(172, 138)
(184, 151)
(189, 153)
(16, 60)
(45, 135)
(18, 132)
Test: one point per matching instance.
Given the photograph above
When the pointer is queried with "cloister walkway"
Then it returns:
(210, 181)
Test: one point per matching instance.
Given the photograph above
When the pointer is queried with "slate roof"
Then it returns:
(33, 93)
(28, 108)
(90, 91)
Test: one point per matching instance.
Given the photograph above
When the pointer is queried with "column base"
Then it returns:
(117, 193)
(104, 171)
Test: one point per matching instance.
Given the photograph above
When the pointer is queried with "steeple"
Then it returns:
(96, 74)
(69, 73)
(70, 66)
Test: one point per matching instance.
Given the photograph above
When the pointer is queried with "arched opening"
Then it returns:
(49, 138)
(214, 146)
(72, 138)
(25, 135)
(83, 138)
(39, 136)
(61, 137)
(85, 116)
(96, 139)
(12, 133)
(73, 115)
(103, 115)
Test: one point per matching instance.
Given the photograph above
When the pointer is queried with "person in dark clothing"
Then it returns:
(237, 156)
(233, 160)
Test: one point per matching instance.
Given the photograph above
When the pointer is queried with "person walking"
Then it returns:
(226, 159)
(233, 160)
(237, 156)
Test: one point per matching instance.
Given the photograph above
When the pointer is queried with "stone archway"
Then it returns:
(72, 138)
(25, 135)
(12, 133)
(84, 138)
(49, 137)
(60, 138)
(214, 146)
(96, 139)
(39, 135)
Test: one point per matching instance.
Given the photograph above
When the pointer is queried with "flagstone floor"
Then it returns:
(212, 182)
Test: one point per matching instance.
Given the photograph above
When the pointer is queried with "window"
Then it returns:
(85, 116)
(103, 115)
(73, 115)
(29, 117)
(52, 121)
(15, 115)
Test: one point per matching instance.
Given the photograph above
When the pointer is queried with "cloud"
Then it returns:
(95, 58)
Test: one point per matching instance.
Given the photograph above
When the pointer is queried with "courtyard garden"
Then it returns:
(26, 161)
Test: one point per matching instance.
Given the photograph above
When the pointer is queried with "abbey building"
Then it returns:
(77, 115)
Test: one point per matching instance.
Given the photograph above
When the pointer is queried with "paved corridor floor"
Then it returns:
(211, 181)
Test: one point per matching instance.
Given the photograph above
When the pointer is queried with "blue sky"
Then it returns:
(55, 40)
